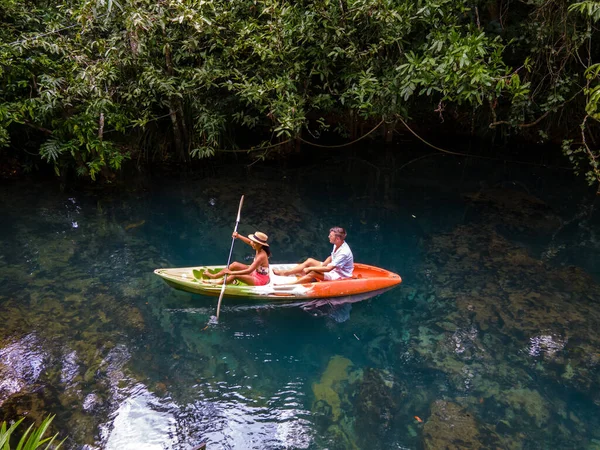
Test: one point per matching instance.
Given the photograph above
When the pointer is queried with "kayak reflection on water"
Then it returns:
(337, 311)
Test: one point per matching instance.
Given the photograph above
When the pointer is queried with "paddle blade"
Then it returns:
(240, 209)
(213, 321)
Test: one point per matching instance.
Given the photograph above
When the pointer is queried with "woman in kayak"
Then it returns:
(257, 273)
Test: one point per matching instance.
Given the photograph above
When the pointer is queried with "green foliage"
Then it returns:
(201, 67)
(94, 82)
(584, 161)
(462, 66)
(31, 439)
(583, 152)
(587, 8)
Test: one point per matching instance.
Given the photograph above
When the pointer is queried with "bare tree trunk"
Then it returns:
(179, 148)
(388, 132)
(101, 126)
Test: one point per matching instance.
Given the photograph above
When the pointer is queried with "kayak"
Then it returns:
(367, 281)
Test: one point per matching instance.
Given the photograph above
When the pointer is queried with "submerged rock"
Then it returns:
(516, 209)
(537, 311)
(376, 402)
(450, 427)
(511, 322)
(91, 402)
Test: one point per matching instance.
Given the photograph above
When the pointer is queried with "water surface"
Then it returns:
(491, 341)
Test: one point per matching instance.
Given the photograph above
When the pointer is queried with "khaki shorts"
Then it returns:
(332, 275)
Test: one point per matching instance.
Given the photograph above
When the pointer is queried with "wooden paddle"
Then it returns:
(237, 221)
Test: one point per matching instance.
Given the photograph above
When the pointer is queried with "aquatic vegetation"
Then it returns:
(339, 436)
(357, 403)
(328, 390)
(381, 347)
(526, 402)
(454, 426)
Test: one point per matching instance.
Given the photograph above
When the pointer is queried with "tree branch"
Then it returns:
(521, 125)
(36, 127)
(535, 122)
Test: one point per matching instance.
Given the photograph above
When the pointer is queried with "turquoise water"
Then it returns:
(491, 340)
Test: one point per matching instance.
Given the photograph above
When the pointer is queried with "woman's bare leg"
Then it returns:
(248, 279)
(233, 266)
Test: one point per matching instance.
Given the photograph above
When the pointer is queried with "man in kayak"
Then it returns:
(337, 266)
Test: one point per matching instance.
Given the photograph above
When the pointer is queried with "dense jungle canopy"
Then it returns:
(88, 84)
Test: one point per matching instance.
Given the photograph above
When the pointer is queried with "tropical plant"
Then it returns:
(33, 437)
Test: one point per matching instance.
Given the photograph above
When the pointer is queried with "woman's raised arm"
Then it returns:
(242, 238)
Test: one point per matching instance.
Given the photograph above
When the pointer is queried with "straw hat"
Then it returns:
(259, 238)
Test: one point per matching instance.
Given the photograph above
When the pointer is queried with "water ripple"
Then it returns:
(238, 425)
(141, 422)
(146, 421)
(70, 368)
(21, 364)
(545, 344)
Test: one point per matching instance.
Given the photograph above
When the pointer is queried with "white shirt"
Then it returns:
(342, 260)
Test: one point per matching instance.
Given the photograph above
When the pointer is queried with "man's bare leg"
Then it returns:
(308, 278)
(310, 262)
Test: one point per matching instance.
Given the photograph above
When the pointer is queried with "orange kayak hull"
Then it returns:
(367, 281)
